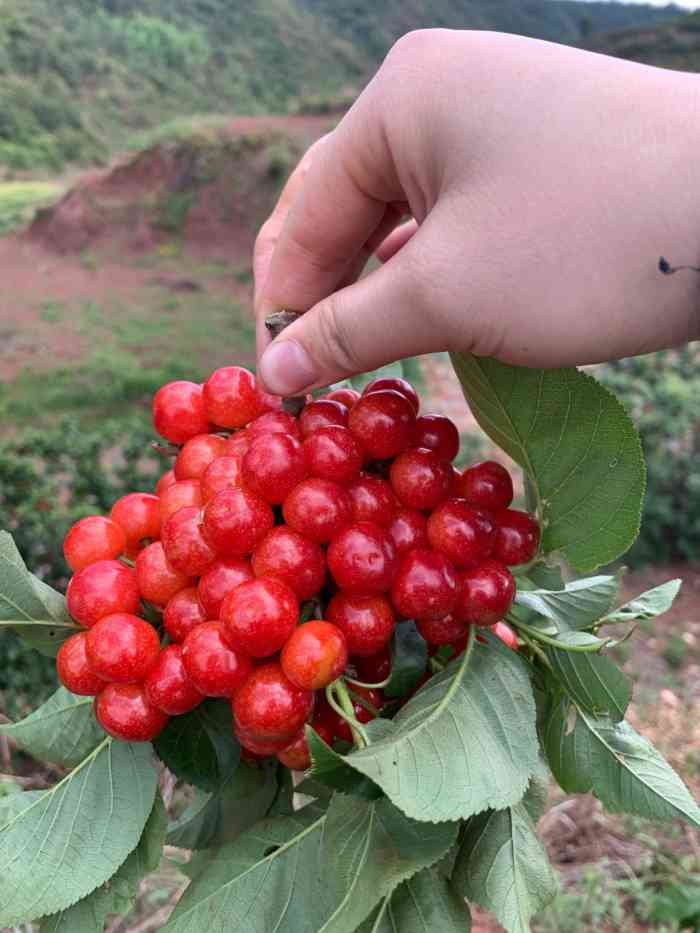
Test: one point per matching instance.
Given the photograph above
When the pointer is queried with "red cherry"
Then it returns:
(485, 593)
(367, 622)
(74, 670)
(464, 534)
(506, 634)
(91, 539)
(420, 479)
(138, 515)
(274, 422)
(296, 756)
(315, 655)
(362, 714)
(180, 495)
(318, 509)
(237, 444)
(222, 473)
(230, 397)
(322, 413)
(235, 521)
(402, 386)
(261, 749)
(101, 589)
(333, 453)
(197, 454)
(425, 586)
(293, 559)
(268, 402)
(124, 713)
(182, 613)
(122, 648)
(212, 665)
(185, 546)
(269, 707)
(166, 480)
(408, 530)
(259, 616)
(517, 537)
(178, 411)
(444, 631)
(373, 500)
(168, 685)
(219, 580)
(375, 668)
(437, 433)
(273, 466)
(383, 423)
(346, 397)
(486, 485)
(362, 559)
(158, 582)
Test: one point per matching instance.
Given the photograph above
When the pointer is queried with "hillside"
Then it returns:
(78, 78)
(675, 44)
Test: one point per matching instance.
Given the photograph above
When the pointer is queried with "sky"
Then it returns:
(686, 4)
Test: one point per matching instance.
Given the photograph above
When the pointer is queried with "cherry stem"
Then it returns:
(357, 698)
(343, 707)
(535, 648)
(534, 633)
(275, 324)
(165, 450)
(436, 666)
(359, 683)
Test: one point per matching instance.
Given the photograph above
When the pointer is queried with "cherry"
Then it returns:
(122, 648)
(124, 712)
(464, 534)
(315, 655)
(268, 402)
(186, 548)
(486, 485)
(197, 454)
(425, 586)
(296, 756)
(168, 685)
(374, 668)
(167, 479)
(219, 580)
(506, 634)
(318, 509)
(178, 411)
(437, 433)
(373, 500)
(383, 422)
(261, 749)
(367, 622)
(182, 613)
(408, 530)
(237, 444)
(138, 515)
(230, 397)
(420, 479)
(485, 593)
(158, 582)
(322, 413)
(346, 397)
(74, 670)
(444, 631)
(362, 559)
(269, 707)
(101, 589)
(517, 537)
(180, 495)
(259, 616)
(91, 539)
(362, 714)
(290, 557)
(222, 473)
(333, 453)
(273, 466)
(402, 386)
(274, 422)
(212, 665)
(235, 521)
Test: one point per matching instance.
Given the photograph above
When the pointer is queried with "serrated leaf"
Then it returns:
(592, 680)
(200, 748)
(118, 894)
(576, 443)
(333, 770)
(71, 838)
(578, 606)
(437, 759)
(63, 729)
(545, 577)
(390, 371)
(425, 904)
(648, 605)
(409, 659)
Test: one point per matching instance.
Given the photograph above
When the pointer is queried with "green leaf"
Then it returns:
(578, 606)
(476, 719)
(199, 747)
(576, 443)
(63, 729)
(68, 840)
(648, 605)
(592, 680)
(53, 601)
(409, 659)
(425, 904)
(544, 577)
(334, 771)
(117, 896)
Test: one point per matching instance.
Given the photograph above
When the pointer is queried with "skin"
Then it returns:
(543, 183)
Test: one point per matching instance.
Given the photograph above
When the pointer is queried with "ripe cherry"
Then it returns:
(464, 534)
(315, 655)
(333, 453)
(296, 755)
(273, 466)
(435, 432)
(138, 515)
(322, 413)
(219, 580)
(230, 397)
(274, 422)
(74, 670)
(260, 748)
(180, 495)
(235, 521)
(269, 707)
(101, 589)
(517, 537)
(197, 454)
(486, 485)
(362, 559)
(383, 423)
(91, 539)
(178, 411)
(268, 402)
(290, 557)
(186, 548)
(444, 631)
(425, 586)
(373, 500)
(168, 685)
(408, 530)
(485, 593)
(367, 622)
(122, 648)
(222, 473)
(237, 444)
(506, 634)
(124, 712)
(402, 386)
(158, 582)
(362, 714)
(182, 613)
(259, 616)
(420, 479)
(346, 397)
(318, 509)
(167, 479)
(374, 668)
(212, 665)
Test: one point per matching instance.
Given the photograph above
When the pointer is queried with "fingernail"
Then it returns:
(286, 367)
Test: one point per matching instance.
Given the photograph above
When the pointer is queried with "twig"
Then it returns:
(276, 323)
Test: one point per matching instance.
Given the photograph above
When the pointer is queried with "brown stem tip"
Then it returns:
(275, 324)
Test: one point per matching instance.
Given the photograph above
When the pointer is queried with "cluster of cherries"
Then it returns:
(351, 516)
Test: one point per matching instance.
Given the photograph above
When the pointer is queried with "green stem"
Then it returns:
(358, 683)
(535, 648)
(344, 708)
(436, 666)
(525, 629)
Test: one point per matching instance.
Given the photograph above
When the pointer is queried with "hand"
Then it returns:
(543, 184)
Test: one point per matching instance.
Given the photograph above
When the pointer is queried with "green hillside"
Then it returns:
(674, 44)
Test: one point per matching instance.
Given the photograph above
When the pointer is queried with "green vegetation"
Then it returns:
(19, 201)
(675, 44)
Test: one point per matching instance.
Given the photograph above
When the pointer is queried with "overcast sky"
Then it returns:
(686, 4)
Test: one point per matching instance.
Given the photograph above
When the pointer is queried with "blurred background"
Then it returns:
(142, 143)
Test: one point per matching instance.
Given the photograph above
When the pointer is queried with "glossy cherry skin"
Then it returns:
(315, 655)
(333, 453)
(420, 479)
(362, 559)
(408, 529)
(197, 454)
(362, 714)
(212, 665)
(168, 685)
(506, 634)
(269, 402)
(274, 422)
(222, 473)
(259, 748)
(373, 500)
(425, 586)
(485, 593)
(158, 582)
(464, 534)
(74, 670)
(517, 537)
(237, 444)
(290, 557)
(296, 756)
(383, 424)
(402, 386)
(122, 648)
(220, 579)
(138, 515)
(346, 397)
(259, 616)
(166, 480)
(444, 631)
(183, 494)
(178, 411)
(439, 434)
(273, 465)
(124, 712)
(230, 397)
(186, 548)
(91, 539)
(269, 707)
(322, 413)
(374, 668)
(101, 589)
(235, 521)
(367, 622)
(487, 486)
(318, 509)
(182, 613)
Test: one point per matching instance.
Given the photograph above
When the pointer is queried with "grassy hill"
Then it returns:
(78, 77)
(674, 44)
